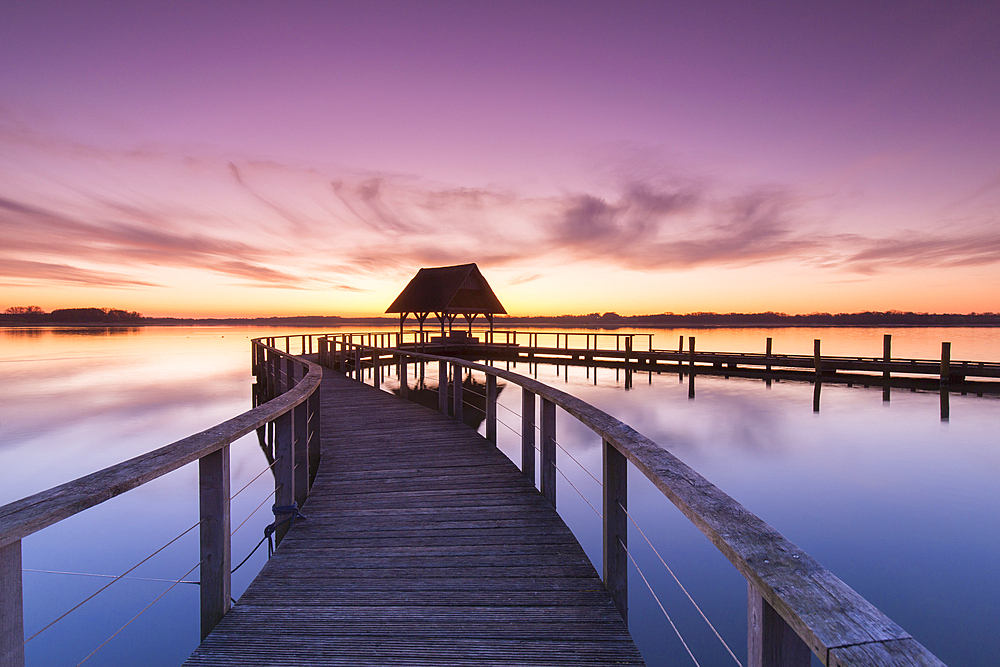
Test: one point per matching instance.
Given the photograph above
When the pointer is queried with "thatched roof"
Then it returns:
(456, 290)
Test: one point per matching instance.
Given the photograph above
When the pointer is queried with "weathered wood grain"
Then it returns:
(822, 610)
(424, 546)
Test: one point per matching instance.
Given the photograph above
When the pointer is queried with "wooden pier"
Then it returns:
(424, 545)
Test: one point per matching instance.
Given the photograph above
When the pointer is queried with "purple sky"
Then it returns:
(294, 158)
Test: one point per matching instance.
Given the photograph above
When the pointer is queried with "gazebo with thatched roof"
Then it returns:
(447, 292)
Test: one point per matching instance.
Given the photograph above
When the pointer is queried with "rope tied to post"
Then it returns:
(293, 513)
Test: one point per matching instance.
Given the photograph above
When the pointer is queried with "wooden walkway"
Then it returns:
(424, 545)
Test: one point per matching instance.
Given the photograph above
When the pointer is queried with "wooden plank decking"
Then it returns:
(424, 545)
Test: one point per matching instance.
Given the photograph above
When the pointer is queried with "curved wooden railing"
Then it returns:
(795, 606)
(288, 402)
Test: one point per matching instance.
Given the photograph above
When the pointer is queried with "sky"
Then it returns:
(306, 158)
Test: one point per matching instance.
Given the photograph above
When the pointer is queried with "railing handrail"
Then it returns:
(826, 613)
(28, 515)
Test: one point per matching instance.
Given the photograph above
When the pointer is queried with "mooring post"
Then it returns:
(11, 606)
(616, 527)
(443, 387)
(691, 355)
(491, 408)
(767, 355)
(284, 475)
(945, 364)
(458, 404)
(817, 359)
(886, 358)
(771, 642)
(817, 388)
(528, 434)
(548, 450)
(216, 543)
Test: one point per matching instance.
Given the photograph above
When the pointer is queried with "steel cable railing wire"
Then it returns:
(111, 583)
(704, 617)
(509, 427)
(559, 470)
(662, 608)
(103, 576)
(660, 557)
(598, 513)
(599, 482)
(129, 622)
(244, 487)
(255, 510)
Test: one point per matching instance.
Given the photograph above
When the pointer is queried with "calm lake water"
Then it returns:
(902, 506)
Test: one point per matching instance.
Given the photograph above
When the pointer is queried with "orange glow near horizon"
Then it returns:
(570, 292)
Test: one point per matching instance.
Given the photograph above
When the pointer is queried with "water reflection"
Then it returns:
(889, 497)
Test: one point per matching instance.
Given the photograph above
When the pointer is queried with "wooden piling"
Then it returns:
(216, 544)
(771, 642)
(817, 358)
(443, 387)
(491, 408)
(548, 451)
(284, 476)
(945, 364)
(528, 434)
(886, 358)
(458, 403)
(615, 498)
(11, 606)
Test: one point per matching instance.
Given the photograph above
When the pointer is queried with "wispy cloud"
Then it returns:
(294, 227)
(19, 272)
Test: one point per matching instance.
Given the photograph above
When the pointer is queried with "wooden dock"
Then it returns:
(424, 545)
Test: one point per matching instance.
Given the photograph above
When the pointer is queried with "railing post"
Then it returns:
(300, 415)
(289, 373)
(616, 527)
(284, 476)
(216, 546)
(548, 449)
(376, 368)
(817, 358)
(528, 434)
(443, 387)
(314, 434)
(11, 607)
(268, 390)
(771, 642)
(358, 375)
(491, 408)
(457, 398)
(402, 372)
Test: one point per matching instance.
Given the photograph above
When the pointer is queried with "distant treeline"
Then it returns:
(35, 315)
(868, 318)
(112, 316)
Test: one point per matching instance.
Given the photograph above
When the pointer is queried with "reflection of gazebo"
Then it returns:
(447, 291)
